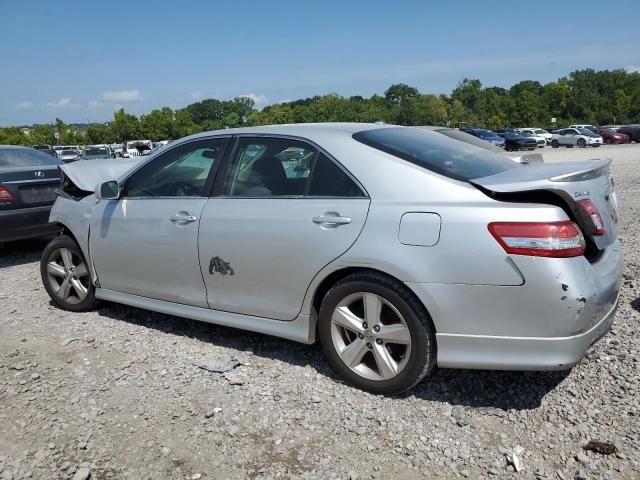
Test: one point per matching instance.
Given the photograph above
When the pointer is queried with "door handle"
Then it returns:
(331, 220)
(183, 218)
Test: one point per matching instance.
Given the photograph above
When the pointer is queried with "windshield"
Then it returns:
(485, 133)
(586, 132)
(17, 157)
(610, 131)
(69, 152)
(539, 131)
(435, 152)
(96, 151)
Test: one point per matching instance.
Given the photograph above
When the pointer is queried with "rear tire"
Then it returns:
(608, 141)
(66, 276)
(554, 144)
(376, 333)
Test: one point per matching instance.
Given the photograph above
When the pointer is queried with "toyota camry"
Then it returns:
(398, 248)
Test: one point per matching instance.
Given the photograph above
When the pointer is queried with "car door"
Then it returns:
(145, 242)
(282, 212)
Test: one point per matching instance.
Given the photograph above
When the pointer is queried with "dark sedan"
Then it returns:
(609, 136)
(28, 182)
(517, 141)
(486, 135)
(632, 131)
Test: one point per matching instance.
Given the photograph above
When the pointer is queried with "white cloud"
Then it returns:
(122, 96)
(25, 105)
(259, 100)
(632, 69)
(196, 94)
(96, 104)
(64, 102)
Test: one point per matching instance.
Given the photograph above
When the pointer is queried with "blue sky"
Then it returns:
(80, 60)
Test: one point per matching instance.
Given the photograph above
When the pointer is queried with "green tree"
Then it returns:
(125, 126)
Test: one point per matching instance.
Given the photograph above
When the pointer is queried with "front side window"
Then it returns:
(269, 167)
(181, 172)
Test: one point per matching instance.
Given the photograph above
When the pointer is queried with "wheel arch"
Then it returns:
(335, 276)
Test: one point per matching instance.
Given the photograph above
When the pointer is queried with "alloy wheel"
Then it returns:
(68, 275)
(370, 336)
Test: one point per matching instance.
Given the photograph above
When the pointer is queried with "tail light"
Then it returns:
(590, 208)
(6, 194)
(544, 239)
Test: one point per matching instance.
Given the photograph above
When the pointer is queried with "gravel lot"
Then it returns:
(116, 393)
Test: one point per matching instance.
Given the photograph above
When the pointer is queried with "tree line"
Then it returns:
(583, 96)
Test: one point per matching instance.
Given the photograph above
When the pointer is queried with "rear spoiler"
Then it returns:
(542, 176)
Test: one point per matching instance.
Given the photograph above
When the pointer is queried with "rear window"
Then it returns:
(435, 152)
(17, 157)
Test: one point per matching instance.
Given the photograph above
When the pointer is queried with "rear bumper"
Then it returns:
(26, 223)
(519, 353)
(547, 323)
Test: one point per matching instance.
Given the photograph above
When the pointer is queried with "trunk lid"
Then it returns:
(30, 186)
(563, 184)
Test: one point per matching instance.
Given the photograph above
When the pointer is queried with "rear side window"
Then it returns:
(328, 180)
(435, 152)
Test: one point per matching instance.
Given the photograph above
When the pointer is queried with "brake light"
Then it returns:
(6, 194)
(590, 208)
(544, 239)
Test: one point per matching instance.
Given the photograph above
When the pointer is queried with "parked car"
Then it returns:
(517, 141)
(135, 148)
(632, 131)
(542, 136)
(609, 136)
(95, 153)
(69, 156)
(592, 128)
(28, 182)
(46, 149)
(466, 266)
(575, 137)
(486, 135)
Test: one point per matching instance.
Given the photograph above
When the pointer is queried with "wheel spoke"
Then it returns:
(64, 290)
(352, 354)
(396, 333)
(387, 366)
(345, 318)
(81, 290)
(66, 258)
(54, 269)
(81, 270)
(372, 308)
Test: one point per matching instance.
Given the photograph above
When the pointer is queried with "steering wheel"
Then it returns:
(184, 189)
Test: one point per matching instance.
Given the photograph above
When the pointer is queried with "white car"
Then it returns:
(586, 126)
(538, 134)
(135, 148)
(575, 137)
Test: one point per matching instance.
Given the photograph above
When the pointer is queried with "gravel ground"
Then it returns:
(116, 393)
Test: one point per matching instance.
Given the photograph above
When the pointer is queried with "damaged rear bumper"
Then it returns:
(519, 353)
(547, 323)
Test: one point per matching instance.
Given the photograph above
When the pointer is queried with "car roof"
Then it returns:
(312, 131)
(6, 147)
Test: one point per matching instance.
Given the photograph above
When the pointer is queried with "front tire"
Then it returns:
(554, 144)
(581, 143)
(66, 276)
(376, 333)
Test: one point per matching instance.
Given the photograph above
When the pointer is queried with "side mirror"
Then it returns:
(108, 191)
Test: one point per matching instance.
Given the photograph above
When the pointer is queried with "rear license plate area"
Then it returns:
(38, 194)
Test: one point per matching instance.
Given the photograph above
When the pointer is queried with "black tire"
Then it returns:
(608, 141)
(581, 143)
(554, 143)
(422, 357)
(50, 251)
(596, 145)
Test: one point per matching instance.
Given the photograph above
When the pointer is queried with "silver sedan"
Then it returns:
(398, 248)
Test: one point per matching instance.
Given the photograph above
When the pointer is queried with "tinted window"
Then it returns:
(436, 152)
(181, 172)
(269, 167)
(328, 180)
(18, 157)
